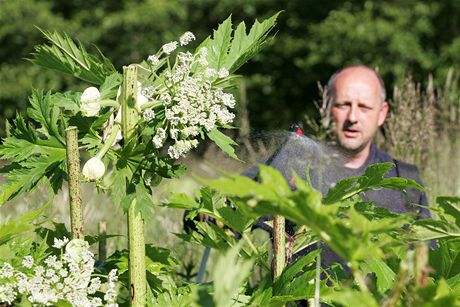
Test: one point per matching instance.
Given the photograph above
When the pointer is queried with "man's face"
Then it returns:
(357, 110)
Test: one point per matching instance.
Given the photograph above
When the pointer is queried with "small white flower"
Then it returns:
(141, 99)
(6, 271)
(210, 73)
(7, 293)
(169, 47)
(154, 60)
(148, 115)
(28, 262)
(228, 100)
(76, 249)
(186, 38)
(223, 72)
(159, 138)
(90, 102)
(93, 169)
(60, 243)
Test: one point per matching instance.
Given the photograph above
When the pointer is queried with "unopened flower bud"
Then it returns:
(90, 102)
(93, 169)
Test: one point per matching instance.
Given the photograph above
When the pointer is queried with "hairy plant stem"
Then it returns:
(279, 245)
(137, 274)
(73, 171)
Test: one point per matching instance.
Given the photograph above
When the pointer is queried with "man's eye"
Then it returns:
(365, 108)
(341, 105)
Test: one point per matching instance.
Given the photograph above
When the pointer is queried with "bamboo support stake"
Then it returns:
(279, 245)
(136, 240)
(73, 171)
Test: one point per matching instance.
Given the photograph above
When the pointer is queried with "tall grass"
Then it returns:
(423, 128)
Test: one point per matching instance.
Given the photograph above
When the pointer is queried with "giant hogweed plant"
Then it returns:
(134, 125)
(386, 260)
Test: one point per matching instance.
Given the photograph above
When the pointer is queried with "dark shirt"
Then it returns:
(302, 155)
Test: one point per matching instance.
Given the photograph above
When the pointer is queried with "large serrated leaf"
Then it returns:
(244, 47)
(372, 179)
(45, 113)
(65, 56)
(219, 45)
(385, 275)
(24, 177)
(223, 142)
(236, 271)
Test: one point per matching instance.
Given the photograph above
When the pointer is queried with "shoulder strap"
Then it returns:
(406, 170)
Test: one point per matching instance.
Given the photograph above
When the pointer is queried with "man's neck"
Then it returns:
(356, 160)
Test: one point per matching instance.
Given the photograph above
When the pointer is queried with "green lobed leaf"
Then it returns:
(66, 56)
(21, 224)
(373, 178)
(294, 280)
(223, 142)
(385, 275)
(219, 44)
(351, 297)
(24, 177)
(244, 47)
(450, 206)
(44, 112)
(236, 271)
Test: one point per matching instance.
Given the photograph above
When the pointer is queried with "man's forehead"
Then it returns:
(357, 81)
(358, 74)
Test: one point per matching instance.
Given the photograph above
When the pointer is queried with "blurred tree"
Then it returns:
(314, 39)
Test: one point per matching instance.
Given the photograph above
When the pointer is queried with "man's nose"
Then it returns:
(352, 114)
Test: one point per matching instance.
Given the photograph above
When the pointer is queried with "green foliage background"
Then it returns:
(314, 39)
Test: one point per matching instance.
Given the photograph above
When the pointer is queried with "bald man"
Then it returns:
(358, 107)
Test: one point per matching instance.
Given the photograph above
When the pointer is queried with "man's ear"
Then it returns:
(383, 113)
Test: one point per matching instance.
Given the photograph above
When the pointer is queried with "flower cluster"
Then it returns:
(191, 103)
(67, 278)
(184, 105)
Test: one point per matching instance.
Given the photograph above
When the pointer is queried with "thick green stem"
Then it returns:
(137, 274)
(151, 104)
(73, 171)
(109, 103)
(279, 246)
(109, 142)
(318, 280)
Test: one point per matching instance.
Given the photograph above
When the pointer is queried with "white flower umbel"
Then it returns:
(186, 38)
(169, 47)
(90, 102)
(67, 278)
(93, 169)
